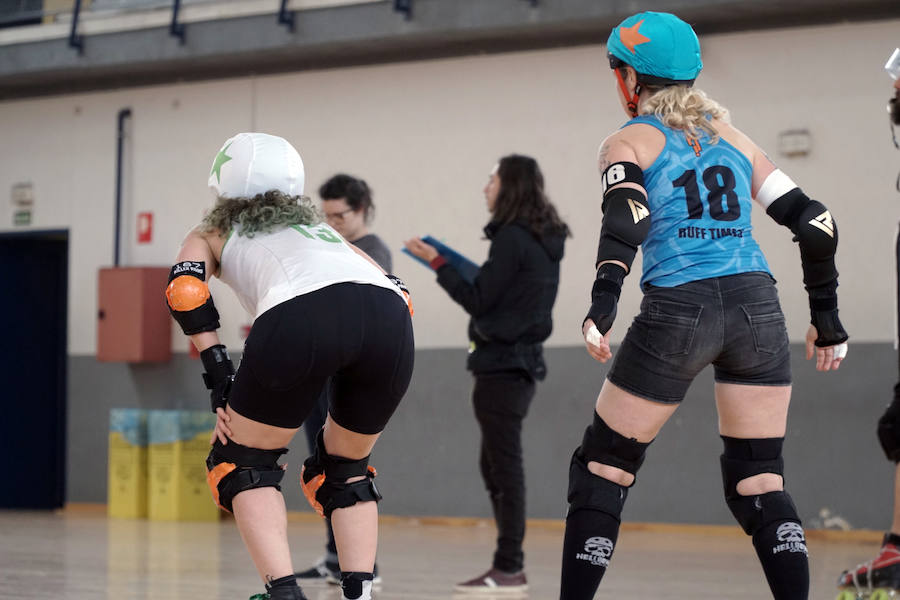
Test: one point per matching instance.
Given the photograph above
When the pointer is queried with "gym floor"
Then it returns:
(80, 554)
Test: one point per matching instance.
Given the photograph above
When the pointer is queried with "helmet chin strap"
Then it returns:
(631, 101)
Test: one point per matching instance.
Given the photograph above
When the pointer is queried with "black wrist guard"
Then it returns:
(605, 296)
(219, 374)
(824, 316)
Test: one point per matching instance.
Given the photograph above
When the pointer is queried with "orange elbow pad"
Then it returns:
(186, 292)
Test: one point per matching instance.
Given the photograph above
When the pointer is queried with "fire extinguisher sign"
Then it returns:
(145, 227)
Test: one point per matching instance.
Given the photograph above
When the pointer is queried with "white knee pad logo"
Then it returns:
(790, 532)
(791, 538)
(597, 551)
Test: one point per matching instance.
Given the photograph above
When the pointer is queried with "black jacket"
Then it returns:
(511, 299)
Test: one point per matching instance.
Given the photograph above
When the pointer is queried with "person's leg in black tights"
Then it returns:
(311, 427)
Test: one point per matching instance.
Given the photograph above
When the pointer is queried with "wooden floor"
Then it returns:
(81, 555)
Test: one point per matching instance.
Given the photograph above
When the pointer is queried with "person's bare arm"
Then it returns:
(625, 223)
(195, 249)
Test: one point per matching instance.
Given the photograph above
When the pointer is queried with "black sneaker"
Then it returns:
(324, 570)
(329, 572)
(495, 581)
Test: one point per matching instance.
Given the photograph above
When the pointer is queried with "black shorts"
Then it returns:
(358, 335)
(734, 323)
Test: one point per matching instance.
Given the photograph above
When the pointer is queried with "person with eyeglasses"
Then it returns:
(348, 208)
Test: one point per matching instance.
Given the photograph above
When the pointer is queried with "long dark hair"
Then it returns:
(522, 197)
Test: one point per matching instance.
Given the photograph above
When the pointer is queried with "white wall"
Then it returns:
(425, 134)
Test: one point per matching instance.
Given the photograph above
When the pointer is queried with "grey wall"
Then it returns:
(427, 457)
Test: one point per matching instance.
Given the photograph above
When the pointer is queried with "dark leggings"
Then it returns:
(501, 401)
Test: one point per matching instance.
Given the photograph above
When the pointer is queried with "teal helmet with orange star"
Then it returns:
(662, 49)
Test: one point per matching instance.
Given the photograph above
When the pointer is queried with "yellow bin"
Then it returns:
(127, 474)
(179, 445)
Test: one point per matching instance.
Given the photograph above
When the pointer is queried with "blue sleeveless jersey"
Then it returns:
(700, 200)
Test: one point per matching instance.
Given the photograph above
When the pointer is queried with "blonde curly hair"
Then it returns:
(685, 108)
(263, 213)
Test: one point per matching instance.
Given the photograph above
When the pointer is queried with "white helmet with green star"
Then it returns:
(255, 163)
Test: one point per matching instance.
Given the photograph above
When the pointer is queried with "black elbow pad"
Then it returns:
(785, 210)
(626, 221)
(814, 230)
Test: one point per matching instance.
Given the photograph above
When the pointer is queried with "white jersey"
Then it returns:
(271, 268)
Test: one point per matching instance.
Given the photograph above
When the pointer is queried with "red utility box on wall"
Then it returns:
(133, 323)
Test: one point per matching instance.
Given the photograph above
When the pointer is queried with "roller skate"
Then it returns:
(877, 579)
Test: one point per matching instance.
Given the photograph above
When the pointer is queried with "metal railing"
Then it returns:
(30, 12)
(115, 15)
(20, 12)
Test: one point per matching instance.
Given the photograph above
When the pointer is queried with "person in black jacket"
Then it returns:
(510, 303)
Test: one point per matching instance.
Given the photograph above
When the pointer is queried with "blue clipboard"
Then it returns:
(466, 268)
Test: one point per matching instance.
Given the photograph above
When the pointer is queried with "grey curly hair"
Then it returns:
(263, 213)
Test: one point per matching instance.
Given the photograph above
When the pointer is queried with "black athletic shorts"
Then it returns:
(358, 335)
(734, 323)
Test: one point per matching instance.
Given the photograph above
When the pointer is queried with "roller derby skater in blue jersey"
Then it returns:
(678, 180)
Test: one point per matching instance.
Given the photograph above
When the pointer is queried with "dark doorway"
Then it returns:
(33, 305)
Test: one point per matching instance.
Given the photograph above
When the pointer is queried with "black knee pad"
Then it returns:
(589, 491)
(889, 428)
(323, 479)
(745, 458)
(233, 468)
(604, 445)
